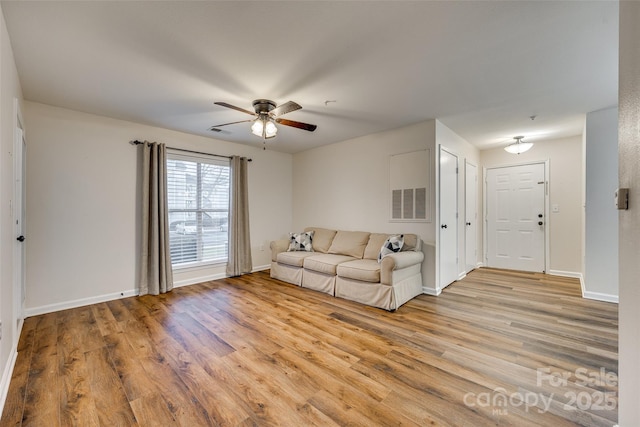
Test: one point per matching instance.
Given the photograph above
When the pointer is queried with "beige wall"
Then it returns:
(9, 91)
(83, 209)
(601, 216)
(346, 185)
(629, 233)
(565, 190)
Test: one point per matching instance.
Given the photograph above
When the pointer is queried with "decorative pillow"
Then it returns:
(322, 238)
(301, 241)
(391, 245)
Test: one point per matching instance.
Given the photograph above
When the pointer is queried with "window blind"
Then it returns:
(198, 202)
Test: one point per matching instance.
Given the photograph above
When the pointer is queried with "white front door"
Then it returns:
(515, 217)
(448, 227)
(471, 216)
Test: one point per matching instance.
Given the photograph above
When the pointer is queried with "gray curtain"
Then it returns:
(239, 241)
(156, 276)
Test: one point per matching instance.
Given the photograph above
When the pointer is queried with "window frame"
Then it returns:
(198, 210)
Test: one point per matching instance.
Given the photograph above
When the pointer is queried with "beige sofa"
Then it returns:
(345, 264)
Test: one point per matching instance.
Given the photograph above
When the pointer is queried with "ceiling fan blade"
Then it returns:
(285, 108)
(233, 107)
(213, 128)
(299, 125)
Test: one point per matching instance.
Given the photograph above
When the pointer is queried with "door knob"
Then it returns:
(539, 222)
(443, 226)
(20, 239)
(468, 223)
(539, 215)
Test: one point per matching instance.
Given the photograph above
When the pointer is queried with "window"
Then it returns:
(198, 201)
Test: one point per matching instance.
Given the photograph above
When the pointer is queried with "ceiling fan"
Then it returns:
(266, 115)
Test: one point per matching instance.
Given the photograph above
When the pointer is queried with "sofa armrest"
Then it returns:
(398, 261)
(278, 246)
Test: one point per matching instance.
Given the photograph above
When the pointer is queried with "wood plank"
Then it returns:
(105, 319)
(77, 406)
(152, 410)
(110, 400)
(126, 363)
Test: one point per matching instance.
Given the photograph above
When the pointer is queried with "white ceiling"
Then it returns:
(481, 67)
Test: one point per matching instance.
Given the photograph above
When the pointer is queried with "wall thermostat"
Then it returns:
(622, 198)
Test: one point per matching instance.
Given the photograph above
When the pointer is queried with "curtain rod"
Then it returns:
(136, 142)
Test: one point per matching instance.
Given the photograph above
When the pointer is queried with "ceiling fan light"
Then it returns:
(518, 147)
(270, 129)
(256, 128)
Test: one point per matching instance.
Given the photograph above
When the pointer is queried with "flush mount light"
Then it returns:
(518, 146)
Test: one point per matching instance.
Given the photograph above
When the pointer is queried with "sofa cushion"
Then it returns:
(325, 263)
(367, 270)
(322, 238)
(295, 258)
(301, 241)
(392, 245)
(376, 240)
(351, 243)
(410, 242)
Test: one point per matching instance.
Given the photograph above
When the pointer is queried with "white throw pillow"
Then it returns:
(301, 241)
(392, 245)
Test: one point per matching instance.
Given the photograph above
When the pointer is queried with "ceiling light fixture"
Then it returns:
(264, 127)
(518, 146)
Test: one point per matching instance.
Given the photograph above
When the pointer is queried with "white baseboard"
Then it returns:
(573, 274)
(199, 279)
(217, 276)
(586, 294)
(6, 376)
(431, 291)
(50, 308)
(600, 297)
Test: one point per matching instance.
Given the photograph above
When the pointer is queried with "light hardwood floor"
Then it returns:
(497, 348)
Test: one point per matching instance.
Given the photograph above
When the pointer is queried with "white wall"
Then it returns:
(565, 190)
(345, 186)
(629, 234)
(9, 90)
(83, 204)
(455, 144)
(601, 216)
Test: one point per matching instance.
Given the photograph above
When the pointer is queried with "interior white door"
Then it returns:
(471, 216)
(19, 214)
(448, 230)
(515, 217)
